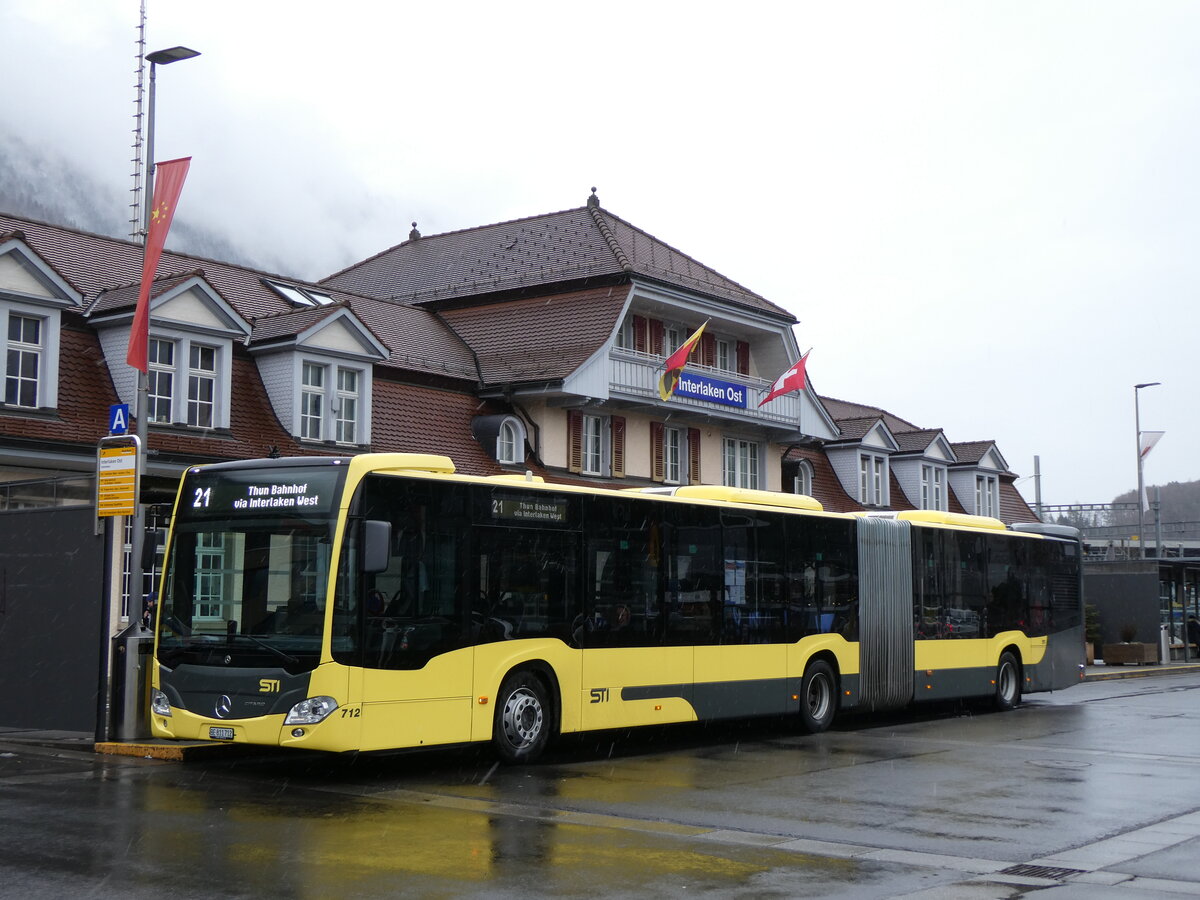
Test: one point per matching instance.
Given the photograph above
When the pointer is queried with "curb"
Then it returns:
(176, 751)
(1113, 673)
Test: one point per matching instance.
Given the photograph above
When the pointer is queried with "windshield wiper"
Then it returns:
(279, 653)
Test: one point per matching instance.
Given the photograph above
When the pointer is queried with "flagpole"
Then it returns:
(1141, 486)
(142, 401)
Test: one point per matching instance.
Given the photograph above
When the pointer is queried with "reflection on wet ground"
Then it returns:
(880, 806)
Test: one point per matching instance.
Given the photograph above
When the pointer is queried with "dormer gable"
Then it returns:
(25, 276)
(333, 330)
(317, 365)
(193, 329)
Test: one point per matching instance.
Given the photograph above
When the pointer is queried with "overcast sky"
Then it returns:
(984, 215)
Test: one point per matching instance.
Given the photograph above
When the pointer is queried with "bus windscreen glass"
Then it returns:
(249, 567)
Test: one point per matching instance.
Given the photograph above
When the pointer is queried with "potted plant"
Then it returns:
(1129, 650)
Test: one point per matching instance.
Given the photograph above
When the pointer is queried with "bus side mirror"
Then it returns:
(377, 545)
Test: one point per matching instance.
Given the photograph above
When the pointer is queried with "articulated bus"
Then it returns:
(382, 601)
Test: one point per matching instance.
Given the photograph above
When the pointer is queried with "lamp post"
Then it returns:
(1137, 421)
(142, 407)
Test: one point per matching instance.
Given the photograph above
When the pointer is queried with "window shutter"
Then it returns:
(618, 446)
(743, 358)
(656, 337)
(708, 350)
(574, 440)
(639, 334)
(693, 441)
(657, 462)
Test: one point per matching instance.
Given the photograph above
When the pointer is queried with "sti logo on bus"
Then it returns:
(599, 695)
(268, 686)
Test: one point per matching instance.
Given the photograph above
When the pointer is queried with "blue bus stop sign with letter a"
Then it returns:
(118, 418)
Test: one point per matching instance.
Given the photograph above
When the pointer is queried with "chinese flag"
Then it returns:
(791, 380)
(669, 380)
(168, 182)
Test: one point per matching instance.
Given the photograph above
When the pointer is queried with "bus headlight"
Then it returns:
(159, 705)
(310, 711)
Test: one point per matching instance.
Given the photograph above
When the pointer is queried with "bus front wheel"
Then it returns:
(522, 726)
(1008, 682)
(818, 697)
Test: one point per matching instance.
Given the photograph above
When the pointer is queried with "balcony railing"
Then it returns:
(635, 375)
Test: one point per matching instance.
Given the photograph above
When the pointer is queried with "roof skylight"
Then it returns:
(298, 296)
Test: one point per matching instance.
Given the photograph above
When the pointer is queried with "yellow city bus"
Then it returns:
(382, 601)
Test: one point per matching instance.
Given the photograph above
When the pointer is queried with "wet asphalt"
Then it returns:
(1090, 792)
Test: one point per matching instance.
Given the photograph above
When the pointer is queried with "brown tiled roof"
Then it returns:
(854, 429)
(575, 245)
(915, 441)
(538, 338)
(126, 296)
(845, 409)
(827, 488)
(898, 500)
(411, 419)
(95, 264)
(970, 452)
(1013, 507)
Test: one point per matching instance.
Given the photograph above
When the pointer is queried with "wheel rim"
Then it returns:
(522, 718)
(818, 697)
(1007, 681)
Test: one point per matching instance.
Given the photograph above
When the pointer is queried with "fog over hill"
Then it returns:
(44, 184)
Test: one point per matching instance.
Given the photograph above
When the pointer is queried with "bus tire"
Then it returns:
(521, 728)
(1008, 682)
(818, 697)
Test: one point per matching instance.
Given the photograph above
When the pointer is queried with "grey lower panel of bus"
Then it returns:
(726, 699)
(233, 693)
(885, 613)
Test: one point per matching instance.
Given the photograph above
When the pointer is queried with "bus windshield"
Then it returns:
(249, 566)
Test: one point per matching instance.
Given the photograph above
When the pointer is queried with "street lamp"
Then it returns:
(142, 408)
(1137, 421)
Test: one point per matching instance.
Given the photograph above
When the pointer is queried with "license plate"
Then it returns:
(220, 734)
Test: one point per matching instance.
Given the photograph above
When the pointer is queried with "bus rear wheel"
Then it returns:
(1008, 682)
(521, 728)
(818, 698)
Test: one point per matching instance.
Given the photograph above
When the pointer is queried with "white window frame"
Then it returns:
(624, 336)
(740, 460)
(157, 372)
(872, 479)
(50, 329)
(673, 447)
(933, 487)
(199, 375)
(183, 401)
(312, 400)
(673, 338)
(26, 351)
(725, 357)
(330, 412)
(803, 481)
(987, 495)
(346, 405)
(591, 437)
(510, 442)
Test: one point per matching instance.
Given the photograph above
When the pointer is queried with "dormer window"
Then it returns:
(987, 495)
(329, 402)
(175, 359)
(22, 374)
(872, 479)
(933, 487)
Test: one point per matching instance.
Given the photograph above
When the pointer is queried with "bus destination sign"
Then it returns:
(301, 490)
(530, 509)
